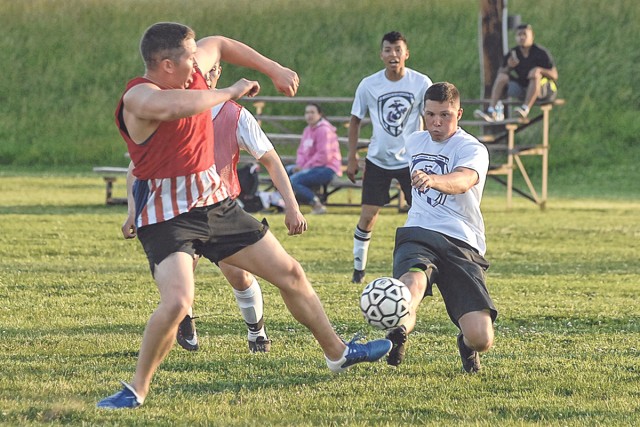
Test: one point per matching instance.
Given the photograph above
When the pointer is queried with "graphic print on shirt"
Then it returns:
(393, 110)
(431, 164)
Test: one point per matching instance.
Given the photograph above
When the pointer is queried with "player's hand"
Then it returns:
(129, 228)
(286, 81)
(244, 87)
(352, 169)
(295, 222)
(536, 72)
(421, 180)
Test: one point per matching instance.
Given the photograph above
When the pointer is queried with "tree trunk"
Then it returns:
(491, 25)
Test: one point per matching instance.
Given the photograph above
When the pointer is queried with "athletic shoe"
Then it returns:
(398, 337)
(522, 112)
(470, 358)
(187, 336)
(358, 353)
(260, 345)
(126, 398)
(319, 210)
(358, 276)
(486, 116)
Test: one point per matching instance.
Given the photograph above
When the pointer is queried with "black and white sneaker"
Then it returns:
(260, 345)
(358, 276)
(470, 358)
(398, 338)
(187, 336)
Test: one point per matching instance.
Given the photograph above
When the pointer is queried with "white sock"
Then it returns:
(251, 307)
(336, 365)
(361, 240)
(525, 108)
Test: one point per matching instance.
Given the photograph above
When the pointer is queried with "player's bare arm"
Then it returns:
(293, 220)
(146, 105)
(218, 48)
(457, 182)
(352, 156)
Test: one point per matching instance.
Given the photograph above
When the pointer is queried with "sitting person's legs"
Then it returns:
(304, 181)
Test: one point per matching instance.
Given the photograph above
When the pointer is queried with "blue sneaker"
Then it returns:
(357, 353)
(126, 398)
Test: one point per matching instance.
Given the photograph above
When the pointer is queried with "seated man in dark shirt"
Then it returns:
(528, 73)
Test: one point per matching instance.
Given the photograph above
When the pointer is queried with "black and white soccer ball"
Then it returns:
(385, 303)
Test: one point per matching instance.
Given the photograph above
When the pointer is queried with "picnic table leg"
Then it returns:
(545, 155)
(510, 147)
(109, 180)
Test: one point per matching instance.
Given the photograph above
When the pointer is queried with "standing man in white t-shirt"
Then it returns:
(393, 98)
(443, 239)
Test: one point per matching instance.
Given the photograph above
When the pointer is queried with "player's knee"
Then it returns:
(293, 278)
(481, 340)
(178, 307)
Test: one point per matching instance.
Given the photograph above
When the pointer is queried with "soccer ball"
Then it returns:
(385, 303)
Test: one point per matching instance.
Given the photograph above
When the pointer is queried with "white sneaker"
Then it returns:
(319, 210)
(486, 116)
(522, 112)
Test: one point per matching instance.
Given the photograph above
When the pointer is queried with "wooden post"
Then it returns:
(491, 12)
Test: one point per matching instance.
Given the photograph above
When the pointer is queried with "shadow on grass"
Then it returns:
(61, 209)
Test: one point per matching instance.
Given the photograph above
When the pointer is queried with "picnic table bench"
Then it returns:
(505, 152)
(499, 138)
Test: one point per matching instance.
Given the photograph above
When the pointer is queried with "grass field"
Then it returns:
(75, 298)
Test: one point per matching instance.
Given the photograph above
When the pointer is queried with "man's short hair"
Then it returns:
(442, 92)
(392, 37)
(524, 27)
(164, 40)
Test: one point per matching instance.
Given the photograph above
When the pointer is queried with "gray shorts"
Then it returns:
(548, 91)
(460, 275)
(215, 232)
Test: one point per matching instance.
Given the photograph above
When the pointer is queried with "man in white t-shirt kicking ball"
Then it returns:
(393, 98)
(443, 241)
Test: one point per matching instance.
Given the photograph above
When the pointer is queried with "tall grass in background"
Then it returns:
(65, 65)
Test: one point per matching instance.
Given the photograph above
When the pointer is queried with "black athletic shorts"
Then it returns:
(215, 232)
(460, 268)
(376, 183)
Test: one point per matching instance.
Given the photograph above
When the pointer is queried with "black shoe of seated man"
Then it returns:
(187, 336)
(358, 276)
(470, 358)
(398, 338)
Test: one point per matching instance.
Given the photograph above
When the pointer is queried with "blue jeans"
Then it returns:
(304, 181)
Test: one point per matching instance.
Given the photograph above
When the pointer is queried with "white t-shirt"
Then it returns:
(395, 109)
(458, 215)
(249, 134)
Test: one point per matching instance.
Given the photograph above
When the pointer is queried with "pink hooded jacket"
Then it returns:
(319, 146)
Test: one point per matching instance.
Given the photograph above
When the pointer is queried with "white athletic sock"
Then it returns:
(251, 307)
(361, 240)
(336, 365)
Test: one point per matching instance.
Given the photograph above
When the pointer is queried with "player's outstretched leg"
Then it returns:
(302, 301)
(357, 353)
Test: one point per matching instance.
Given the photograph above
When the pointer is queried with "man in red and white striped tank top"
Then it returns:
(164, 117)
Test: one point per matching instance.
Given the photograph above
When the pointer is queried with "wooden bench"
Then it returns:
(499, 137)
(337, 183)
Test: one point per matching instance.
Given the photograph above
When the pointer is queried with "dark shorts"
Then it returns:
(215, 232)
(376, 183)
(460, 273)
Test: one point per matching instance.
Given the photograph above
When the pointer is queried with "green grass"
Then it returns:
(74, 299)
(65, 64)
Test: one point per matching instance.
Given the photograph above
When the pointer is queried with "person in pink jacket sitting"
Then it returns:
(318, 158)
